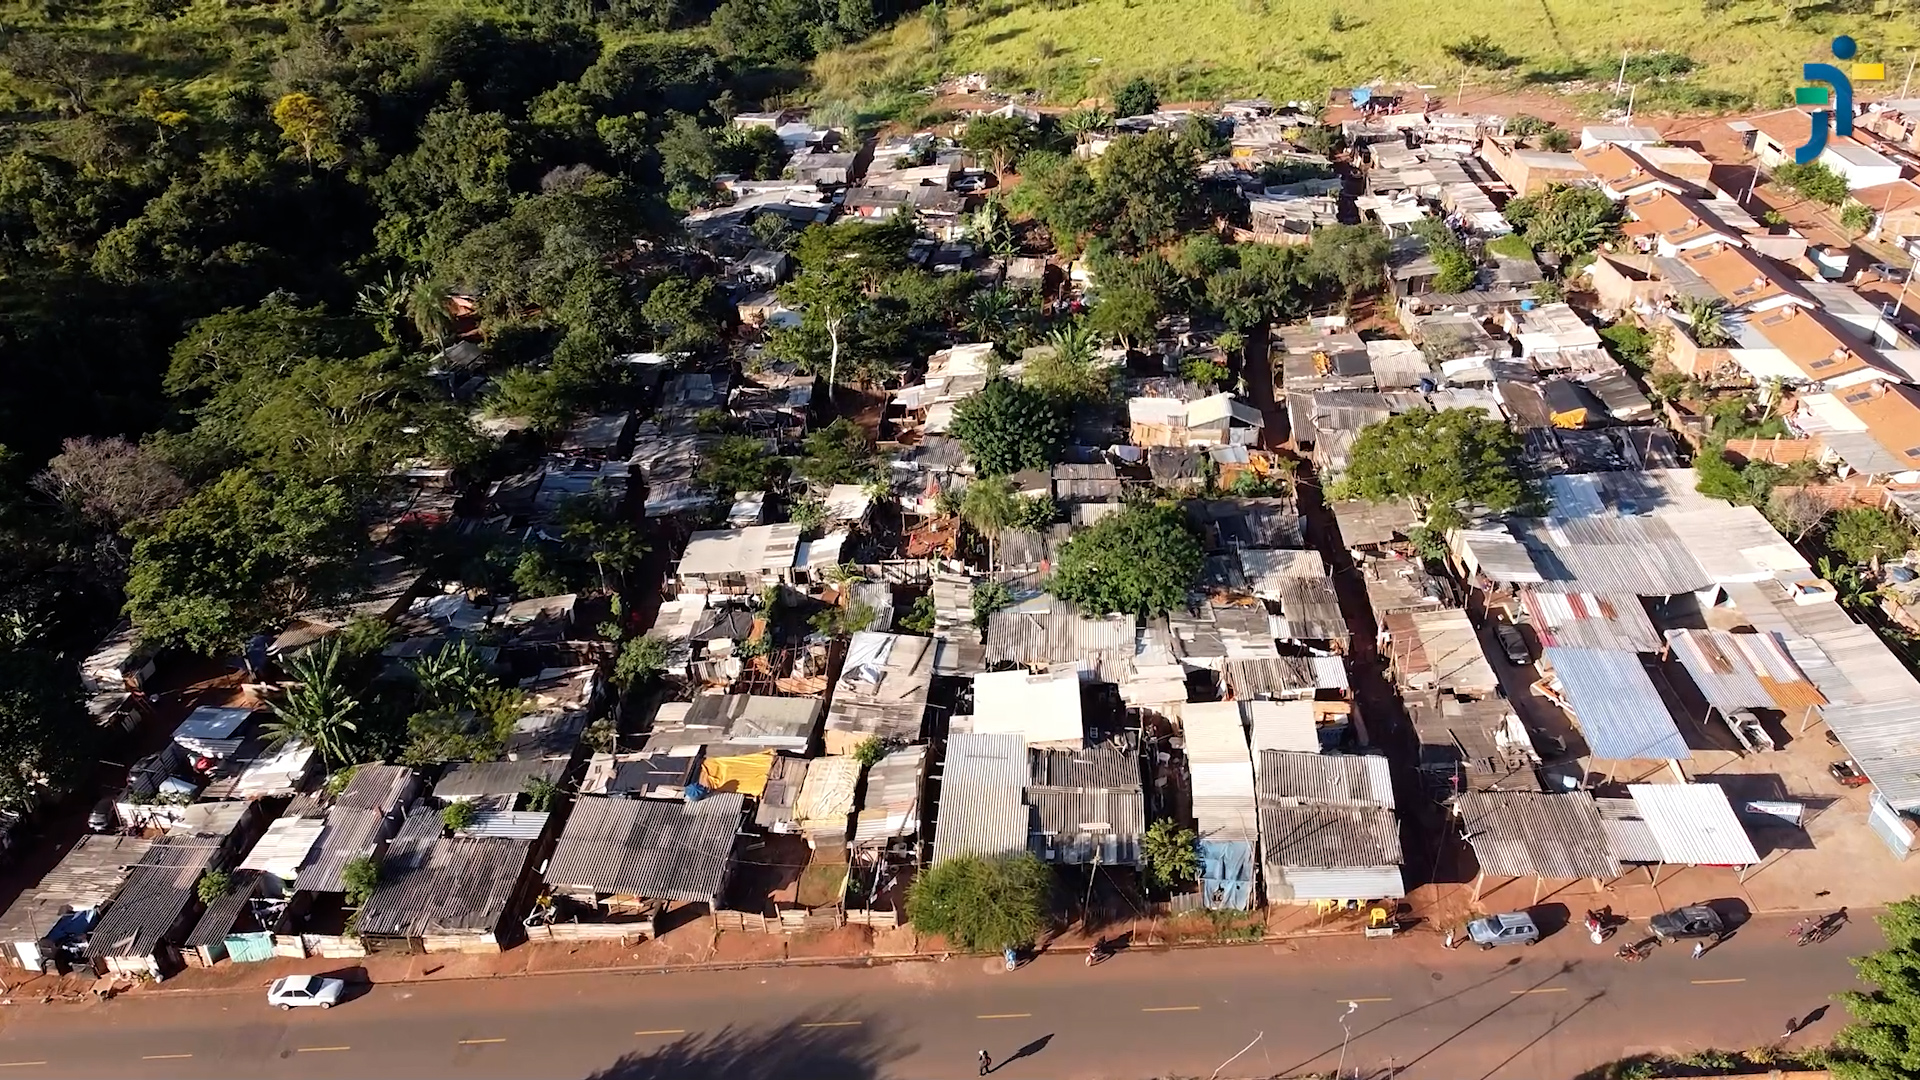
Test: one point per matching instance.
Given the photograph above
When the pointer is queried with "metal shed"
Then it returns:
(983, 809)
(1534, 834)
(1694, 824)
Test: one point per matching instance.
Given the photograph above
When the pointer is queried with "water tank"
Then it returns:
(1526, 305)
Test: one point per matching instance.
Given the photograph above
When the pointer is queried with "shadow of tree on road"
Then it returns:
(834, 1047)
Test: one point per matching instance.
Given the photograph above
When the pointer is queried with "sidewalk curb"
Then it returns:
(717, 965)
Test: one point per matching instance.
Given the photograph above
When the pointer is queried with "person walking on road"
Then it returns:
(986, 1063)
(1793, 1025)
(1449, 941)
(1699, 949)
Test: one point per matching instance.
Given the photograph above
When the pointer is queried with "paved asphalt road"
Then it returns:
(1545, 1012)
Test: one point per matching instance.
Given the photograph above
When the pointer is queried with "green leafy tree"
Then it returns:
(979, 903)
(542, 794)
(1353, 256)
(837, 454)
(1883, 1041)
(319, 710)
(1866, 534)
(457, 815)
(1171, 852)
(213, 885)
(841, 271)
(46, 738)
(740, 463)
(1443, 463)
(1857, 218)
(641, 660)
(989, 597)
(685, 313)
(1141, 560)
(1001, 138)
(309, 126)
(1565, 218)
(919, 619)
(241, 556)
(989, 506)
(1007, 427)
(1136, 97)
(1814, 180)
(361, 875)
(1084, 124)
(1150, 188)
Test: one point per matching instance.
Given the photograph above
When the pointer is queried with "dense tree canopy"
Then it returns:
(1007, 427)
(1883, 1041)
(979, 903)
(1446, 463)
(1141, 560)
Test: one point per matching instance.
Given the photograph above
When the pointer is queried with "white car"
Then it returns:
(305, 990)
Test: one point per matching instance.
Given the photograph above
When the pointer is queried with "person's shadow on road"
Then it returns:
(1028, 1050)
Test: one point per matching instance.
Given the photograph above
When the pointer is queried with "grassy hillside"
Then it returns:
(1748, 51)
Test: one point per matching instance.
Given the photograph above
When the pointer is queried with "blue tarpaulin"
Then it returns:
(1226, 874)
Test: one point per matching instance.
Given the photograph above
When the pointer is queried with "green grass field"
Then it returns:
(1747, 53)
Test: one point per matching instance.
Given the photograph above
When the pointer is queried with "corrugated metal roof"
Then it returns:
(1328, 837)
(983, 810)
(1615, 703)
(477, 779)
(377, 787)
(1330, 779)
(1058, 636)
(892, 805)
(1439, 650)
(432, 885)
(507, 824)
(86, 877)
(1884, 740)
(1497, 554)
(1529, 834)
(1694, 824)
(1587, 621)
(348, 834)
(1638, 556)
(156, 893)
(1722, 666)
(1309, 611)
(647, 847)
(759, 720)
(1628, 836)
(1088, 824)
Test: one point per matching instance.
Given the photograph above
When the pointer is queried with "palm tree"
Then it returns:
(427, 307)
(1073, 343)
(987, 505)
(1708, 318)
(989, 314)
(1083, 124)
(318, 710)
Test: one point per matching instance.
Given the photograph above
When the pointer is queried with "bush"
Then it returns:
(870, 750)
(213, 885)
(978, 904)
(1629, 344)
(640, 660)
(1137, 97)
(1812, 181)
(1857, 218)
(1007, 427)
(1480, 51)
(919, 618)
(361, 875)
(1864, 534)
(457, 815)
(1512, 245)
(1204, 370)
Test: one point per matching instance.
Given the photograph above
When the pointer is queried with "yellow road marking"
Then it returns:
(1001, 1016)
(663, 1031)
(164, 1057)
(1716, 982)
(320, 1049)
(17, 1064)
(1174, 1008)
(1540, 990)
(1362, 1001)
(479, 1042)
(833, 1023)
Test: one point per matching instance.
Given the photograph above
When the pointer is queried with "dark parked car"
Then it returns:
(1693, 921)
(1513, 644)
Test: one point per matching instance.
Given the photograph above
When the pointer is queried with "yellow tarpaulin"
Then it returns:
(745, 774)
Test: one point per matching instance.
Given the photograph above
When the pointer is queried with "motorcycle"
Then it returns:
(1097, 953)
(1637, 952)
(1012, 958)
(1600, 925)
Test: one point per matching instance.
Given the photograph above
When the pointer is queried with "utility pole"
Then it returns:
(1620, 79)
(1345, 1036)
(1908, 85)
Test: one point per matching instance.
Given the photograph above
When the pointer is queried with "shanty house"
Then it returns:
(1327, 828)
(1088, 805)
(52, 918)
(739, 562)
(882, 690)
(983, 809)
(447, 894)
(647, 849)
